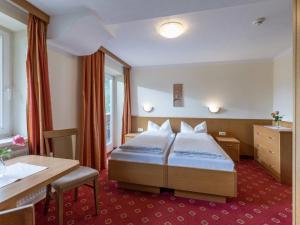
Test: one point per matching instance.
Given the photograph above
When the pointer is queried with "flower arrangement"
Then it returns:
(277, 117)
(5, 152)
(17, 140)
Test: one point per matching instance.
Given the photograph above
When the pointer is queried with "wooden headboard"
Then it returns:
(239, 128)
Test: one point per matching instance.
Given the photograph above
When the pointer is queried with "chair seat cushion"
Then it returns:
(79, 175)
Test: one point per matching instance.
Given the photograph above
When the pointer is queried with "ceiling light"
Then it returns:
(171, 29)
(148, 107)
(214, 108)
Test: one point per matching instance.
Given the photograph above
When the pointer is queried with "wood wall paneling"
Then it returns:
(242, 129)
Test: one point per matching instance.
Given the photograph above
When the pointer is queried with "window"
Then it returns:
(109, 111)
(114, 99)
(13, 85)
(5, 87)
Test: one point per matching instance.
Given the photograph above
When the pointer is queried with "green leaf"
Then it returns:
(5, 152)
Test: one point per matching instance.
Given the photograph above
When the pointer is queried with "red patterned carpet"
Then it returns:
(261, 201)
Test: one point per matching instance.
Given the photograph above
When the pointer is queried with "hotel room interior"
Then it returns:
(149, 112)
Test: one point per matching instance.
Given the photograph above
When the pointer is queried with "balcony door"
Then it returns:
(109, 107)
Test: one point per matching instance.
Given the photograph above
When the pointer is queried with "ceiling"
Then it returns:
(217, 30)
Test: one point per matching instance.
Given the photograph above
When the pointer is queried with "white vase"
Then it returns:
(2, 167)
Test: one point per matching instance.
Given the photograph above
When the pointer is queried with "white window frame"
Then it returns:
(5, 86)
(110, 145)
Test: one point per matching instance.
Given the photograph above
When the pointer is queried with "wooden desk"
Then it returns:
(57, 167)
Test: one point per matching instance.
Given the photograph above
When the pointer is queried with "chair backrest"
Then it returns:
(18, 216)
(62, 144)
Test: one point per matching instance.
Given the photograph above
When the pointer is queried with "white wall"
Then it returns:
(19, 83)
(64, 76)
(283, 85)
(244, 89)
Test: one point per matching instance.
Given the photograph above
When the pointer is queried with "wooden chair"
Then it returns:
(18, 216)
(62, 146)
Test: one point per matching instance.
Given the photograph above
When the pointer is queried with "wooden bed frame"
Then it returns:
(138, 176)
(203, 184)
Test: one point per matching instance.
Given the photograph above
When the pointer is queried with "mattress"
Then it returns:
(153, 158)
(196, 161)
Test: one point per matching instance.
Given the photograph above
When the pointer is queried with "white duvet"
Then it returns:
(148, 142)
(197, 144)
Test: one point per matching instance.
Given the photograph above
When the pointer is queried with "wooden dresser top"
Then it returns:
(275, 128)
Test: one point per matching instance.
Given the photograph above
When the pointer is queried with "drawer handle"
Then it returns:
(270, 138)
(271, 152)
(229, 146)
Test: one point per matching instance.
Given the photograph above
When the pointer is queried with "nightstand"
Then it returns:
(130, 136)
(231, 146)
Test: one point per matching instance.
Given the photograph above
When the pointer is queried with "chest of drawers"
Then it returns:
(273, 150)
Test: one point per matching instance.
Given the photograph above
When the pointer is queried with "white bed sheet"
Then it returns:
(153, 158)
(196, 161)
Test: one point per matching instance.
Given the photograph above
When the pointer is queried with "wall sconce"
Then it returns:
(148, 108)
(214, 108)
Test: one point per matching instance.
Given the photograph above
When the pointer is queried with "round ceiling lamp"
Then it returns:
(171, 29)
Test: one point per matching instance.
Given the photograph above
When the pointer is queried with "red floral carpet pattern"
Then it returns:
(261, 201)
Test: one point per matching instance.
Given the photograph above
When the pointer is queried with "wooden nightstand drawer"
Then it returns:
(231, 146)
(130, 136)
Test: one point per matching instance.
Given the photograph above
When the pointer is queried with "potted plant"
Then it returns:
(277, 118)
(5, 152)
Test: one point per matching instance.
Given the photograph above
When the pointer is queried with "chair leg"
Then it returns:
(96, 193)
(76, 194)
(48, 197)
(60, 207)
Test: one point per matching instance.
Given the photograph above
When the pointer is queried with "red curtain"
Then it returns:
(126, 118)
(39, 113)
(93, 146)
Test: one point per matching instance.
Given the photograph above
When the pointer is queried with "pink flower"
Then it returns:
(18, 140)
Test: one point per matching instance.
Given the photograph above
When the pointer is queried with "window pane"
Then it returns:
(1, 80)
(108, 108)
(107, 94)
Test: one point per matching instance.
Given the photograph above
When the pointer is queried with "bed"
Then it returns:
(199, 168)
(141, 166)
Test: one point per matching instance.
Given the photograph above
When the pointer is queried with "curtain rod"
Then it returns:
(112, 55)
(28, 7)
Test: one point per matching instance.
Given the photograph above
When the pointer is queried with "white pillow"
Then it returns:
(200, 128)
(186, 128)
(152, 126)
(166, 127)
